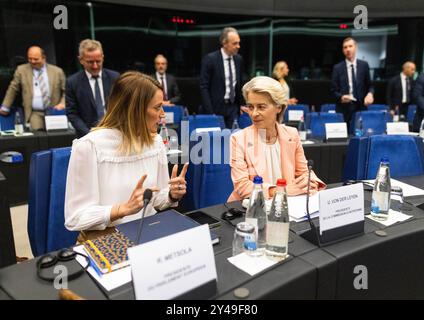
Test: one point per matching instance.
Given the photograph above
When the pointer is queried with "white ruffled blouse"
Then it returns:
(99, 177)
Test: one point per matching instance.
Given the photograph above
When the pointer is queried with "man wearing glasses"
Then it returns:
(87, 90)
(41, 85)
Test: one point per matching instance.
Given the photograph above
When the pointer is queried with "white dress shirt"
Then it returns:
(37, 97)
(164, 84)
(404, 88)
(92, 82)
(227, 73)
(273, 161)
(99, 176)
(349, 74)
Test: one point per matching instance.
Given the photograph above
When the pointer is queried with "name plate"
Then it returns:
(295, 115)
(56, 122)
(168, 267)
(341, 206)
(397, 128)
(336, 130)
(169, 117)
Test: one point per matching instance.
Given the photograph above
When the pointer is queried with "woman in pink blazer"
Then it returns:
(267, 148)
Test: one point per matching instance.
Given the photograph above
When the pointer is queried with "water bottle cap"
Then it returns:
(385, 159)
(257, 180)
(281, 183)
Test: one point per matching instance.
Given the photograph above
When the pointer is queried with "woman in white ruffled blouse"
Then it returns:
(112, 165)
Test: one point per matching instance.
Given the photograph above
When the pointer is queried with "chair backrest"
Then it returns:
(373, 122)
(364, 155)
(38, 200)
(205, 121)
(412, 109)
(54, 112)
(212, 182)
(178, 112)
(390, 146)
(302, 107)
(244, 121)
(57, 235)
(327, 107)
(378, 107)
(8, 122)
(315, 121)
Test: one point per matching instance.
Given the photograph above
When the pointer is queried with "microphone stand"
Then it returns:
(146, 200)
(314, 229)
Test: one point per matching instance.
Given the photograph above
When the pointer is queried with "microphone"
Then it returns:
(311, 223)
(147, 196)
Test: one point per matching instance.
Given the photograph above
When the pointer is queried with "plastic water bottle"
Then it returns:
(302, 130)
(396, 115)
(164, 134)
(277, 233)
(422, 129)
(359, 130)
(19, 127)
(235, 126)
(380, 201)
(256, 216)
(186, 113)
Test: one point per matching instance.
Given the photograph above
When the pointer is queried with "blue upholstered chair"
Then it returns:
(328, 107)
(303, 107)
(205, 121)
(244, 120)
(57, 235)
(178, 112)
(378, 107)
(373, 122)
(8, 122)
(412, 109)
(38, 201)
(364, 155)
(315, 121)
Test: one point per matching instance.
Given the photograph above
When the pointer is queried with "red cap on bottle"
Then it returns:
(281, 183)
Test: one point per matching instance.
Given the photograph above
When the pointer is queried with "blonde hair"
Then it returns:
(272, 88)
(127, 106)
(89, 45)
(276, 73)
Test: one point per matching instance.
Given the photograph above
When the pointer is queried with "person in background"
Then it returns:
(267, 148)
(221, 78)
(351, 82)
(399, 89)
(280, 72)
(111, 166)
(42, 86)
(171, 92)
(87, 90)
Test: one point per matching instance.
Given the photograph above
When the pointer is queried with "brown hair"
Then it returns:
(348, 39)
(126, 111)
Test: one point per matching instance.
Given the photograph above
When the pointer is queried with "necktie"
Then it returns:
(165, 96)
(354, 89)
(232, 93)
(408, 89)
(98, 99)
(44, 90)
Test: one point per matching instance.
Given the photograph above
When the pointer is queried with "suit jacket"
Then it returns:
(80, 103)
(212, 82)
(23, 82)
(394, 91)
(340, 81)
(247, 160)
(173, 91)
(418, 99)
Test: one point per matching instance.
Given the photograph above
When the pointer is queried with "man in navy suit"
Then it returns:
(399, 89)
(221, 78)
(171, 93)
(418, 99)
(87, 90)
(351, 82)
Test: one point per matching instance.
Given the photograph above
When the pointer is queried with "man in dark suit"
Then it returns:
(418, 99)
(351, 82)
(87, 90)
(171, 93)
(221, 78)
(399, 89)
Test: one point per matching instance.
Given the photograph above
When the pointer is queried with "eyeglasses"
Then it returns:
(90, 62)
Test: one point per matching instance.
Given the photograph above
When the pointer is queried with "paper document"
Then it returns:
(394, 217)
(408, 190)
(109, 281)
(251, 265)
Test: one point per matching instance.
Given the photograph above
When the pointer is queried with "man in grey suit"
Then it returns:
(171, 92)
(41, 85)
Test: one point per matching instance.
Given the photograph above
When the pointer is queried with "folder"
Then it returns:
(160, 225)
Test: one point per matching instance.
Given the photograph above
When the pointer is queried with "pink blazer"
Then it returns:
(247, 160)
